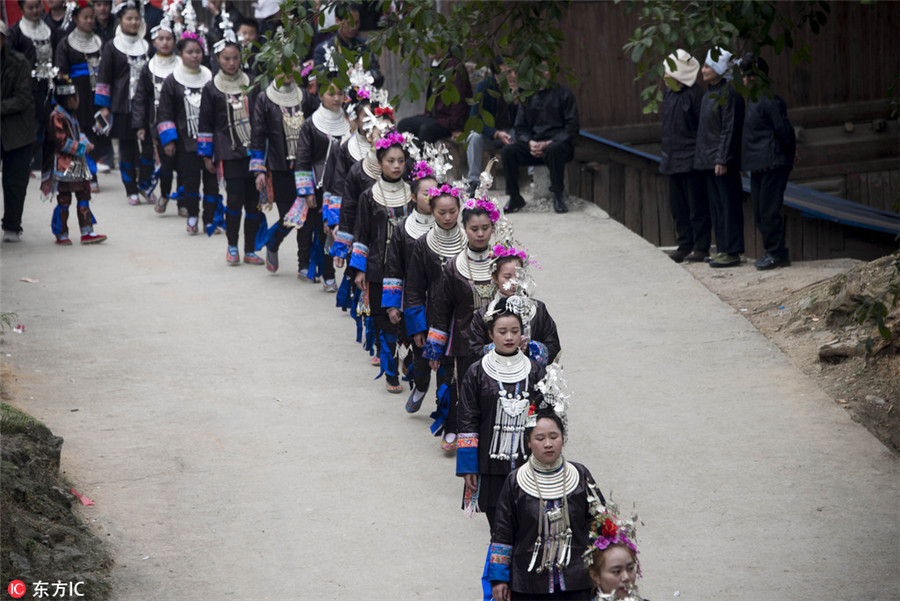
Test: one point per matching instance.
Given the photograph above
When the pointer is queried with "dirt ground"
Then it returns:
(794, 307)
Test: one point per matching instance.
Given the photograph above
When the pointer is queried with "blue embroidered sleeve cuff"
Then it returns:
(435, 345)
(101, 95)
(342, 243)
(205, 144)
(415, 319)
(305, 183)
(257, 160)
(392, 293)
(167, 132)
(467, 454)
(537, 352)
(358, 256)
(500, 560)
(331, 209)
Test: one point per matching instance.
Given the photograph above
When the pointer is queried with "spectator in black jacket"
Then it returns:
(17, 134)
(104, 23)
(688, 199)
(501, 133)
(768, 150)
(546, 126)
(718, 155)
(346, 38)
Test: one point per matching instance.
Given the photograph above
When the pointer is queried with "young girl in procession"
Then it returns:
(278, 114)
(430, 253)
(179, 130)
(540, 340)
(399, 255)
(224, 138)
(120, 68)
(78, 55)
(145, 117)
(612, 557)
(544, 514)
(380, 210)
(466, 286)
(318, 184)
(36, 40)
(67, 171)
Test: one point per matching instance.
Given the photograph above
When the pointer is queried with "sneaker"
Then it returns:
(95, 188)
(63, 242)
(161, 204)
(271, 260)
(697, 256)
(103, 167)
(9, 236)
(725, 260)
(232, 256)
(133, 200)
(253, 259)
(330, 286)
(770, 261)
(92, 238)
(182, 212)
(679, 255)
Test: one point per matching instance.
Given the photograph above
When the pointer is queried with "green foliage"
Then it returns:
(876, 307)
(525, 34)
(737, 25)
(13, 420)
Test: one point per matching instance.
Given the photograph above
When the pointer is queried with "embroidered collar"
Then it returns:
(548, 481)
(287, 96)
(417, 224)
(37, 31)
(475, 266)
(358, 146)
(331, 123)
(506, 369)
(231, 84)
(391, 194)
(445, 243)
(88, 43)
(162, 66)
(130, 45)
(191, 80)
(371, 166)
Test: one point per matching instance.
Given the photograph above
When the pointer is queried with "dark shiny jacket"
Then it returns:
(215, 116)
(374, 228)
(768, 138)
(17, 107)
(551, 114)
(453, 306)
(116, 73)
(516, 524)
(423, 278)
(680, 113)
(319, 153)
(719, 132)
(353, 184)
(543, 330)
(267, 130)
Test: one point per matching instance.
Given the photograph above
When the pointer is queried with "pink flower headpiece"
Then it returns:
(609, 529)
(393, 138)
(445, 189)
(190, 35)
(421, 170)
(363, 93)
(487, 205)
(307, 68)
(501, 250)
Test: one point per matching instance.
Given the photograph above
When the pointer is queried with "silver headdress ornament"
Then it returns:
(190, 18)
(165, 23)
(138, 4)
(67, 20)
(228, 35)
(554, 389)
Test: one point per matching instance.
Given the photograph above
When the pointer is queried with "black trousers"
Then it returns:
(315, 225)
(727, 208)
(191, 173)
(64, 199)
(242, 197)
(424, 127)
(767, 191)
(689, 203)
(382, 322)
(16, 171)
(166, 169)
(135, 163)
(555, 157)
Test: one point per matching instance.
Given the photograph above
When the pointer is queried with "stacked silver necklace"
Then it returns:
(391, 194)
(232, 86)
(371, 167)
(508, 440)
(161, 67)
(417, 224)
(476, 267)
(89, 45)
(193, 82)
(39, 34)
(548, 482)
(358, 146)
(288, 98)
(134, 48)
(445, 243)
(331, 123)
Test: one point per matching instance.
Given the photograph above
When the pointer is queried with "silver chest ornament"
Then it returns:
(192, 111)
(135, 64)
(93, 63)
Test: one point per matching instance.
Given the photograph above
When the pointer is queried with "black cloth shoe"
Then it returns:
(770, 261)
(697, 256)
(559, 205)
(679, 255)
(515, 204)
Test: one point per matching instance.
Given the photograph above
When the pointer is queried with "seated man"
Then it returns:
(347, 19)
(546, 126)
(498, 136)
(443, 120)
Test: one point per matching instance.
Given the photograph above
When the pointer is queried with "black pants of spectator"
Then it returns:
(767, 192)
(689, 203)
(242, 198)
(191, 173)
(16, 171)
(726, 203)
(424, 127)
(555, 157)
(312, 226)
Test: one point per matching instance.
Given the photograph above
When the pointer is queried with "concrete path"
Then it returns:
(227, 425)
